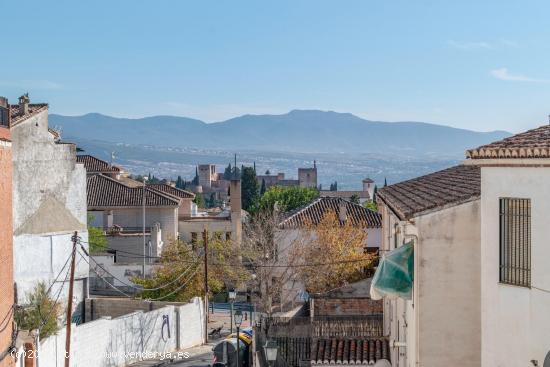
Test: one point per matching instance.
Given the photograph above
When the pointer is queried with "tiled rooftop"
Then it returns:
(533, 143)
(104, 192)
(171, 190)
(314, 212)
(34, 108)
(450, 186)
(349, 351)
(96, 165)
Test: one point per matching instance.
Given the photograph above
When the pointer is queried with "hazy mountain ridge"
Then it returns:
(301, 131)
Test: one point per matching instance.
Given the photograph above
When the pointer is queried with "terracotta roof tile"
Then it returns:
(358, 351)
(34, 108)
(171, 190)
(344, 194)
(533, 143)
(96, 165)
(315, 211)
(103, 192)
(450, 186)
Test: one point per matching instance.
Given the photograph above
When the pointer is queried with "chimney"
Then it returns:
(236, 206)
(24, 104)
(342, 211)
(4, 112)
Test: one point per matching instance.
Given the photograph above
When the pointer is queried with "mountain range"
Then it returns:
(299, 131)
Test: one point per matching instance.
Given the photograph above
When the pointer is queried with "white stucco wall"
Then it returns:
(133, 217)
(118, 342)
(445, 309)
(515, 320)
(49, 204)
(188, 226)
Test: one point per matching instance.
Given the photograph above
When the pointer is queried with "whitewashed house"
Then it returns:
(49, 204)
(291, 228)
(515, 251)
(440, 213)
(481, 288)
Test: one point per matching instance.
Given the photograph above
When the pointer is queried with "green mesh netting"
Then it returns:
(394, 276)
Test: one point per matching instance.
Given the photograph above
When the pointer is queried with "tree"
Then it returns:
(331, 254)
(180, 273)
(196, 178)
(286, 197)
(96, 237)
(228, 172)
(199, 200)
(249, 188)
(267, 172)
(371, 204)
(374, 193)
(41, 313)
(355, 199)
(260, 253)
(385, 182)
(334, 186)
(262, 188)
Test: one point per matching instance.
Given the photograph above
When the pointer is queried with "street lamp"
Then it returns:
(270, 349)
(238, 321)
(232, 296)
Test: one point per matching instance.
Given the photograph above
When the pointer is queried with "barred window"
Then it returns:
(515, 241)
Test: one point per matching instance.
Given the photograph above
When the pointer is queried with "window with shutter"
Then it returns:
(515, 241)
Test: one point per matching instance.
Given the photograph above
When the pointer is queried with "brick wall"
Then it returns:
(6, 248)
(345, 306)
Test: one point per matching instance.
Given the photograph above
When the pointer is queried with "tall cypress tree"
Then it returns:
(262, 188)
(249, 187)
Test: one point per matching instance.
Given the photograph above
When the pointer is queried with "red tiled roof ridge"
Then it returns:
(34, 108)
(357, 213)
(450, 186)
(167, 188)
(94, 201)
(94, 164)
(533, 143)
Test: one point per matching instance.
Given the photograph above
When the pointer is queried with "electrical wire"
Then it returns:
(105, 280)
(177, 289)
(131, 285)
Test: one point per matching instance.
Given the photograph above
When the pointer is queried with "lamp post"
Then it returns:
(232, 296)
(144, 243)
(238, 321)
(270, 349)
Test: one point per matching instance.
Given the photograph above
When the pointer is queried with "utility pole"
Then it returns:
(70, 304)
(144, 244)
(205, 239)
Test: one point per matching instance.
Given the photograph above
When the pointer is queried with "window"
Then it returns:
(515, 241)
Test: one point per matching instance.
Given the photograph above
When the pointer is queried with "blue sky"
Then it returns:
(479, 65)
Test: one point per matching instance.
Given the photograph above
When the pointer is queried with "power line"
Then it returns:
(177, 289)
(131, 285)
(105, 280)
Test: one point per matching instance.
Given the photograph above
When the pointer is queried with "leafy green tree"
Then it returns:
(199, 200)
(262, 188)
(249, 187)
(371, 205)
(96, 237)
(180, 273)
(267, 172)
(40, 313)
(286, 197)
(355, 199)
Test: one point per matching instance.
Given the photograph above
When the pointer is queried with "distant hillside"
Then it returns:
(301, 131)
